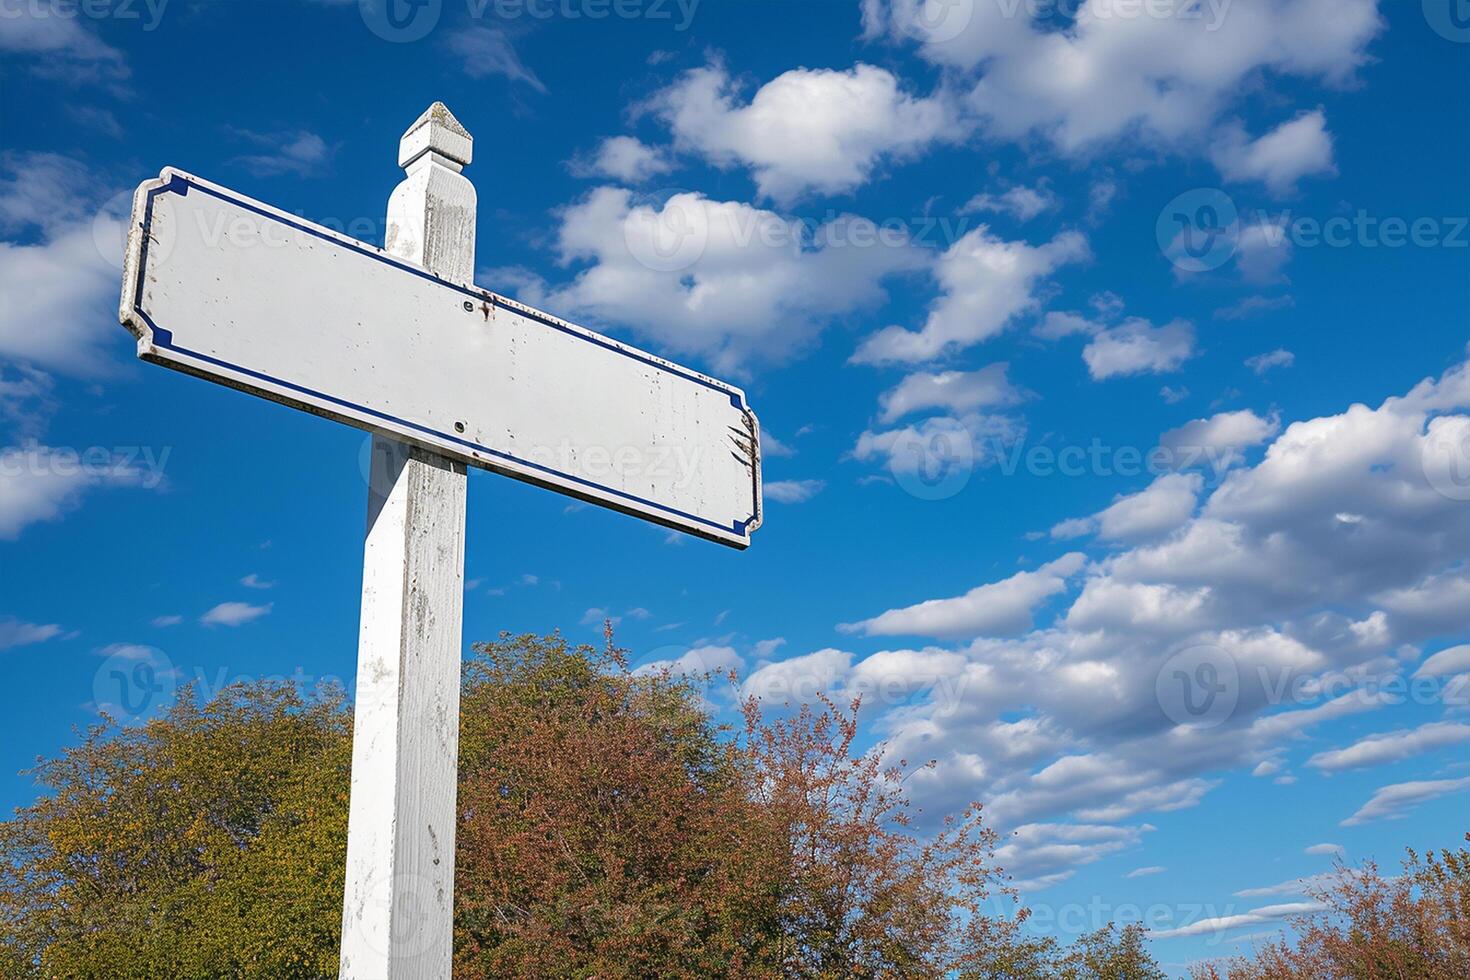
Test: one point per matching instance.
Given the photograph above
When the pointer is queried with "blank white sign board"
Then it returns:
(232, 290)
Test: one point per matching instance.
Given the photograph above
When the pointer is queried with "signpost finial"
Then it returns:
(436, 132)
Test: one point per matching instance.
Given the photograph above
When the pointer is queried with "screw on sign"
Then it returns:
(445, 375)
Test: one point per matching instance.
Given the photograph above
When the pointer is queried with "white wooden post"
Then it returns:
(398, 909)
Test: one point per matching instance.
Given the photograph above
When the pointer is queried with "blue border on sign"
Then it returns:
(179, 184)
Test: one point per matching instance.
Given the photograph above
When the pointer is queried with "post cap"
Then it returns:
(436, 131)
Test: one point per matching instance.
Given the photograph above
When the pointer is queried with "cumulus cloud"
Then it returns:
(792, 491)
(1138, 347)
(1220, 439)
(954, 391)
(1279, 159)
(697, 662)
(800, 679)
(1021, 202)
(986, 283)
(1162, 507)
(64, 272)
(938, 447)
(721, 280)
(807, 130)
(996, 609)
(1043, 854)
(234, 614)
(1164, 81)
(1341, 546)
(626, 159)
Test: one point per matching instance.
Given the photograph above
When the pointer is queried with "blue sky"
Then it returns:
(963, 258)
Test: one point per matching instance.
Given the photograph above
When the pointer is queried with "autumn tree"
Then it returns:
(1414, 926)
(862, 894)
(607, 830)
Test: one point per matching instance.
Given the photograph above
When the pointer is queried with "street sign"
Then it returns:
(232, 290)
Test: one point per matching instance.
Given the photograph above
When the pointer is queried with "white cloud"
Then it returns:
(799, 680)
(1332, 552)
(721, 280)
(793, 491)
(986, 284)
(1021, 202)
(1262, 251)
(163, 622)
(627, 159)
(940, 446)
(1380, 749)
(52, 35)
(1295, 149)
(697, 662)
(41, 483)
(66, 284)
(1220, 439)
(1325, 850)
(1268, 913)
(1262, 363)
(1455, 660)
(996, 609)
(234, 614)
(14, 633)
(1108, 79)
(299, 153)
(253, 581)
(954, 391)
(807, 130)
(1043, 854)
(484, 51)
(1138, 347)
(1146, 872)
(1165, 505)
(1395, 801)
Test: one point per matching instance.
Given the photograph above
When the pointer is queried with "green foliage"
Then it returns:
(207, 843)
(1004, 952)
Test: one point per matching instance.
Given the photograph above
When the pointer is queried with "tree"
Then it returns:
(608, 829)
(1416, 925)
(207, 843)
(861, 893)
